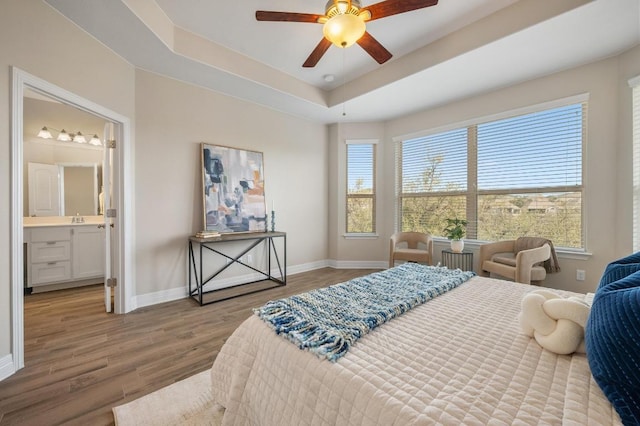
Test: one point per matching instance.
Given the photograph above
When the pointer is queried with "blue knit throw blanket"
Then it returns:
(329, 320)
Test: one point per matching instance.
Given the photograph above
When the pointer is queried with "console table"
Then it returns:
(209, 249)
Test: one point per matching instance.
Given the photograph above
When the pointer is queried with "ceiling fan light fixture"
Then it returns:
(365, 15)
(344, 30)
(341, 7)
(344, 24)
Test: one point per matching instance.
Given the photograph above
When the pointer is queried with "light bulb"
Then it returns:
(344, 30)
(342, 6)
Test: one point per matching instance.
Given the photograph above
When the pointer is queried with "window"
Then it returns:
(361, 188)
(511, 177)
(635, 85)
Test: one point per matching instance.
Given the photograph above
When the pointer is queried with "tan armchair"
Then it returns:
(411, 247)
(524, 266)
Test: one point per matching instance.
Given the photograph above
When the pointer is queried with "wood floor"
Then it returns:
(80, 361)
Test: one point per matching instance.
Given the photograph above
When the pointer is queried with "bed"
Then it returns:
(460, 358)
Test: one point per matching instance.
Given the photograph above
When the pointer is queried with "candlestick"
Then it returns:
(273, 221)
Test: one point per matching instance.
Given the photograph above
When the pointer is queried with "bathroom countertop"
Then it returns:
(40, 222)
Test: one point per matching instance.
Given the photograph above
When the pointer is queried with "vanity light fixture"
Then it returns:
(79, 137)
(44, 133)
(95, 140)
(64, 136)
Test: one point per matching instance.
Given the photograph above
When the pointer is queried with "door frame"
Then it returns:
(122, 199)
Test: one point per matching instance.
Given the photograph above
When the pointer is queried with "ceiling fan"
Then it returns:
(344, 24)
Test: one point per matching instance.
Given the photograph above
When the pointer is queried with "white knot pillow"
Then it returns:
(555, 322)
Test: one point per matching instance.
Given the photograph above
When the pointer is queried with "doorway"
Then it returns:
(120, 215)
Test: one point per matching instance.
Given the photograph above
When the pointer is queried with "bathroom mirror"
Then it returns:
(79, 189)
(65, 189)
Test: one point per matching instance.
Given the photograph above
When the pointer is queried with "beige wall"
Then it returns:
(360, 251)
(607, 177)
(173, 118)
(47, 41)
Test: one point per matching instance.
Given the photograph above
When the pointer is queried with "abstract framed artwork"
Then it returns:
(233, 189)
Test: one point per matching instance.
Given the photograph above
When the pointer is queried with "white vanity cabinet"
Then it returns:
(49, 255)
(87, 244)
(58, 254)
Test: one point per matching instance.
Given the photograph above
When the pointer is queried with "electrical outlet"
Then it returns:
(580, 274)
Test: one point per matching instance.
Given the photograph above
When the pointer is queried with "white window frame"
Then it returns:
(581, 98)
(374, 143)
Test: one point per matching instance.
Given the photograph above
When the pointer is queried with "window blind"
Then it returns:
(361, 187)
(537, 150)
(360, 168)
(518, 175)
(635, 87)
(436, 163)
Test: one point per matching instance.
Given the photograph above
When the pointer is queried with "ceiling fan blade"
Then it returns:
(317, 53)
(374, 48)
(393, 7)
(264, 15)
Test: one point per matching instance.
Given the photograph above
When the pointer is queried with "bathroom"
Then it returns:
(62, 195)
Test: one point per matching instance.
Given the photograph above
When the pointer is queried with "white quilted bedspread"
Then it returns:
(458, 359)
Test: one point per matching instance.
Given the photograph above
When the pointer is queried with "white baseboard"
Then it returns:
(337, 264)
(359, 264)
(306, 267)
(177, 293)
(6, 366)
(148, 299)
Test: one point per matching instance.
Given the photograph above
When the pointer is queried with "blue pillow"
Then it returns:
(620, 269)
(612, 337)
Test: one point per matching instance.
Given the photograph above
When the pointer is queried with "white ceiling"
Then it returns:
(446, 52)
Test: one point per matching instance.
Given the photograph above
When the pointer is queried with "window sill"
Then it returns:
(563, 253)
(359, 236)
